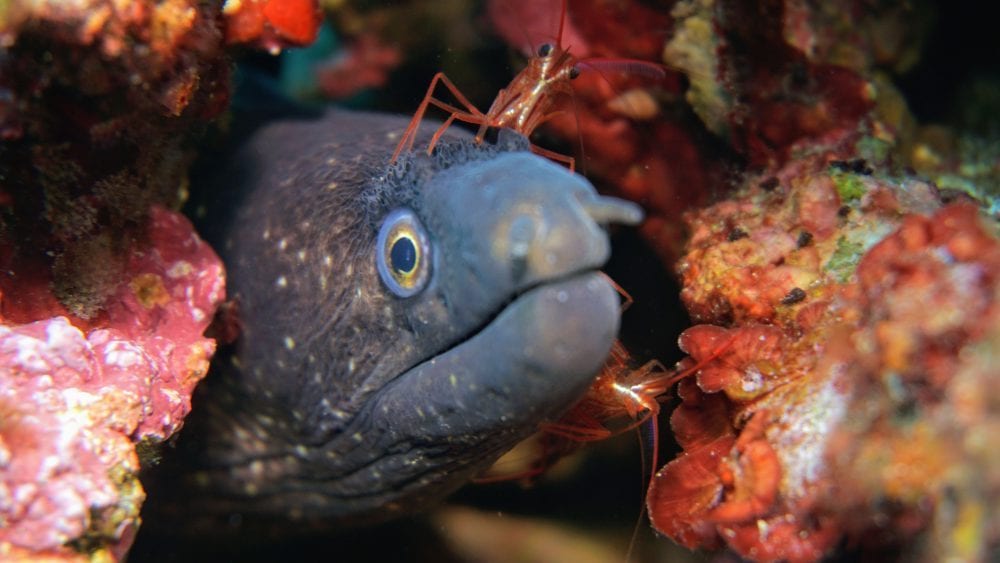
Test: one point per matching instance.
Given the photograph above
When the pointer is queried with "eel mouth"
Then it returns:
(530, 363)
(570, 324)
(512, 300)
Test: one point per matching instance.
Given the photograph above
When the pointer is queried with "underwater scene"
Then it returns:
(499, 281)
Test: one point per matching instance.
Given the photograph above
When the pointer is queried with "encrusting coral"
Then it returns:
(106, 291)
(75, 400)
(861, 312)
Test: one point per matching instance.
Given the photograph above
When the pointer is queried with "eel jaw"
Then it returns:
(459, 411)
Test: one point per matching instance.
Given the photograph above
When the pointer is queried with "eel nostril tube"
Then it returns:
(604, 210)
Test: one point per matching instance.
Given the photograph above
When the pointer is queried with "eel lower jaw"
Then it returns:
(530, 363)
(450, 417)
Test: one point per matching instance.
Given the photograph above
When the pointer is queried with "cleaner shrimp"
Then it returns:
(621, 399)
(527, 102)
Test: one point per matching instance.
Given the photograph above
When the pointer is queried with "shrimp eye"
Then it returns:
(403, 253)
(544, 50)
(573, 73)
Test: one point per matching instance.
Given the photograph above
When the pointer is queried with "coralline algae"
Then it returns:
(75, 402)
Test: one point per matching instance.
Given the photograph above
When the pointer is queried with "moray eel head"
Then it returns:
(402, 326)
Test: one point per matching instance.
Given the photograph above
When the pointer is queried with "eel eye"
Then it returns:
(544, 50)
(573, 73)
(403, 253)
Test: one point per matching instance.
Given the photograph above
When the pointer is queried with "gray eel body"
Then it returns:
(346, 402)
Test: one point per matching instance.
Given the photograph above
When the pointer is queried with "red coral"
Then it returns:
(780, 96)
(733, 484)
(726, 486)
(929, 261)
(745, 256)
(750, 476)
(783, 538)
(365, 63)
(684, 492)
(272, 24)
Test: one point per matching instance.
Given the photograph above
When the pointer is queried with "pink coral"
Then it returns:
(74, 402)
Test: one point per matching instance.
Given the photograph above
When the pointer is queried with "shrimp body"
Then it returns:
(523, 105)
(618, 393)
(527, 102)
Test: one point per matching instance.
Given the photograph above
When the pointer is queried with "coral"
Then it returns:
(75, 401)
(363, 64)
(694, 48)
(858, 307)
(105, 293)
(271, 24)
(773, 78)
(770, 74)
(105, 100)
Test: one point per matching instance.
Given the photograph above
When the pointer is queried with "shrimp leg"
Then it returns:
(473, 115)
(570, 162)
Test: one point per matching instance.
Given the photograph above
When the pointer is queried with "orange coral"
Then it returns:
(736, 474)
(742, 370)
(777, 470)
(750, 476)
(272, 24)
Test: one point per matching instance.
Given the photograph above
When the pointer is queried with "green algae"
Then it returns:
(845, 259)
(849, 186)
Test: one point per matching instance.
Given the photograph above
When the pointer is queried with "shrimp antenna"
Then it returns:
(627, 66)
(648, 441)
(530, 46)
(562, 22)
(583, 168)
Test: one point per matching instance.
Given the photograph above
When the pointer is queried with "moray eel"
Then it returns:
(402, 326)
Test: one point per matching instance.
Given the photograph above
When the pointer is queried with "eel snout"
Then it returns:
(527, 225)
